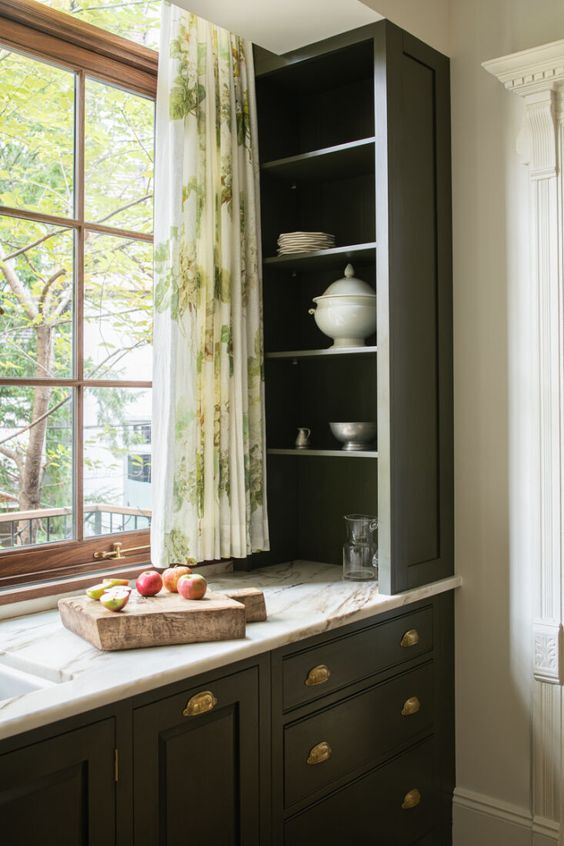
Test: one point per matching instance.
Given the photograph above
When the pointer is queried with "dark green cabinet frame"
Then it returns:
(392, 93)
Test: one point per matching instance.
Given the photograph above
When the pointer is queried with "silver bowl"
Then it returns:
(354, 436)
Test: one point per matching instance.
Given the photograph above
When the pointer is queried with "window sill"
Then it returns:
(43, 596)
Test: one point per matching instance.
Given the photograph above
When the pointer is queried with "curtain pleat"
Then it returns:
(209, 487)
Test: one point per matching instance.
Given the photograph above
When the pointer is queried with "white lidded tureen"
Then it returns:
(346, 311)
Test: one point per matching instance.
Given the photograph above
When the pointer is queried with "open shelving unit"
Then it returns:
(354, 141)
(317, 142)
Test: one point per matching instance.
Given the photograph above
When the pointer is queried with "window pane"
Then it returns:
(36, 461)
(138, 20)
(36, 135)
(119, 158)
(36, 289)
(117, 460)
(118, 286)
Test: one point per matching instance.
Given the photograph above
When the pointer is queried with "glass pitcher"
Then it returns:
(360, 551)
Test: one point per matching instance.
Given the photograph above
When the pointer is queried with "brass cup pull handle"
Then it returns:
(319, 753)
(410, 638)
(200, 703)
(317, 675)
(411, 799)
(411, 706)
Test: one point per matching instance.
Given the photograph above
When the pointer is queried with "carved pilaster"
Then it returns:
(538, 77)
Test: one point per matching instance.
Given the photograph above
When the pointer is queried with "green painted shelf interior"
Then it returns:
(338, 162)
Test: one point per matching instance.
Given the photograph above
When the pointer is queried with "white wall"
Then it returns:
(495, 424)
(495, 434)
(429, 20)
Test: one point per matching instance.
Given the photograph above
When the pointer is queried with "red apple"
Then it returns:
(193, 586)
(149, 583)
(115, 598)
(172, 574)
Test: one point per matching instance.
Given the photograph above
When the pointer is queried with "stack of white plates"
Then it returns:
(304, 242)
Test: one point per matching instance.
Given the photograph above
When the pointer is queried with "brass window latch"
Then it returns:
(117, 552)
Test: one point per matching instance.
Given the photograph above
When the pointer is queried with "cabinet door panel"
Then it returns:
(196, 779)
(60, 792)
(414, 281)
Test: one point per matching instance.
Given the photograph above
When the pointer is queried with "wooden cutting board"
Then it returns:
(159, 620)
(253, 600)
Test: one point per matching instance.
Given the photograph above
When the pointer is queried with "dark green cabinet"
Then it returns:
(60, 791)
(362, 732)
(354, 136)
(343, 736)
(196, 765)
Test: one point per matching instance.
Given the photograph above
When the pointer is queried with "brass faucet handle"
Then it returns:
(317, 675)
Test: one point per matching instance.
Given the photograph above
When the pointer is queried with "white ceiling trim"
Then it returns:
(283, 26)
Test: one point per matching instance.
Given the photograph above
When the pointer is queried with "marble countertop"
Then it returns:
(302, 599)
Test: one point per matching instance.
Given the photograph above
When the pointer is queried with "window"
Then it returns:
(76, 210)
(139, 468)
(138, 20)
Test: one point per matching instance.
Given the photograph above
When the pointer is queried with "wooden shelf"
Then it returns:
(323, 258)
(331, 352)
(327, 453)
(343, 160)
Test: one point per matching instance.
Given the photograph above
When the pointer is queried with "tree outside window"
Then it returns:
(76, 208)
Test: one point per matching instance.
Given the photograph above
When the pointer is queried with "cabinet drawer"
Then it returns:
(355, 733)
(322, 669)
(395, 805)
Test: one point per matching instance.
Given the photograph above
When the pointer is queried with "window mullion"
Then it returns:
(79, 307)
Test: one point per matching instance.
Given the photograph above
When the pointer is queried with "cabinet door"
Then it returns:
(60, 792)
(196, 777)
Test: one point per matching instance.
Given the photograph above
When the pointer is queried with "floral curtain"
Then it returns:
(209, 494)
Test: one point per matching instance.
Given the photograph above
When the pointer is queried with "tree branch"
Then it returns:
(32, 424)
(123, 208)
(45, 292)
(19, 290)
(12, 455)
(59, 310)
(36, 243)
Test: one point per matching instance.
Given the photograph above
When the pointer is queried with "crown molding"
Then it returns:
(529, 71)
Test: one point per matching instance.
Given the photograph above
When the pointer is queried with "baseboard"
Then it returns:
(480, 820)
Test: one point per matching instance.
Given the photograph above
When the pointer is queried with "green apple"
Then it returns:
(115, 598)
(96, 591)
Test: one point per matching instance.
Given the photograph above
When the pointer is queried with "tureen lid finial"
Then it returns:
(349, 271)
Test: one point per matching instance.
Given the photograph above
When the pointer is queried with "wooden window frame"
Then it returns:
(47, 34)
